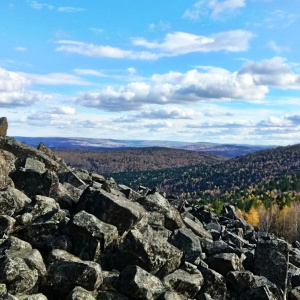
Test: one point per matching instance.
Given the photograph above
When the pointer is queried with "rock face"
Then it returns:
(3, 126)
(66, 234)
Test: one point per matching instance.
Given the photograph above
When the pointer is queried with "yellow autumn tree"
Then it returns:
(252, 216)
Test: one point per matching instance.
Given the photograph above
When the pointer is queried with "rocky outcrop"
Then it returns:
(3, 126)
(66, 234)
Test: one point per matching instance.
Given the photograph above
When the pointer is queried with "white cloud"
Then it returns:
(169, 113)
(14, 90)
(69, 9)
(250, 83)
(221, 7)
(215, 8)
(56, 79)
(272, 72)
(178, 43)
(21, 48)
(280, 18)
(88, 72)
(174, 44)
(278, 49)
(64, 110)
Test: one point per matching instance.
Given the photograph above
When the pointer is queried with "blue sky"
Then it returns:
(201, 71)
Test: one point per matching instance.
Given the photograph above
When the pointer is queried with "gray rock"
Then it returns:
(196, 227)
(214, 284)
(12, 201)
(33, 297)
(66, 271)
(67, 195)
(148, 250)
(184, 283)
(157, 203)
(22, 151)
(139, 284)
(3, 126)
(5, 180)
(271, 261)
(106, 233)
(79, 293)
(34, 165)
(6, 225)
(294, 294)
(225, 262)
(111, 295)
(185, 240)
(117, 211)
(34, 183)
(171, 296)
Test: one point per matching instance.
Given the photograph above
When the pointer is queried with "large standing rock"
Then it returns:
(3, 126)
(157, 203)
(111, 209)
(271, 261)
(5, 180)
(148, 250)
(139, 284)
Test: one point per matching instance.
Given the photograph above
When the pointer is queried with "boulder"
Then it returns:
(5, 180)
(225, 262)
(33, 297)
(271, 261)
(294, 294)
(196, 226)
(214, 284)
(139, 284)
(79, 293)
(117, 211)
(6, 225)
(184, 283)
(90, 236)
(157, 203)
(12, 201)
(66, 271)
(148, 250)
(185, 240)
(3, 126)
(22, 151)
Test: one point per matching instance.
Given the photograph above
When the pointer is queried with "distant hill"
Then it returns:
(268, 175)
(58, 143)
(136, 159)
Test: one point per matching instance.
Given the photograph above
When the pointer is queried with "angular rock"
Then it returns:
(6, 225)
(196, 227)
(157, 203)
(294, 294)
(5, 180)
(79, 293)
(106, 233)
(214, 284)
(139, 284)
(117, 211)
(34, 183)
(33, 297)
(67, 195)
(184, 283)
(225, 262)
(148, 250)
(3, 126)
(22, 151)
(271, 261)
(185, 240)
(111, 295)
(171, 296)
(12, 201)
(67, 271)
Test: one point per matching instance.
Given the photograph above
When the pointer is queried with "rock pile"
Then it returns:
(68, 234)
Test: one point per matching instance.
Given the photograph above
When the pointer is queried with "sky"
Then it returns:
(221, 71)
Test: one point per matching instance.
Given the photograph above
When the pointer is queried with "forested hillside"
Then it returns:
(239, 181)
(136, 159)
